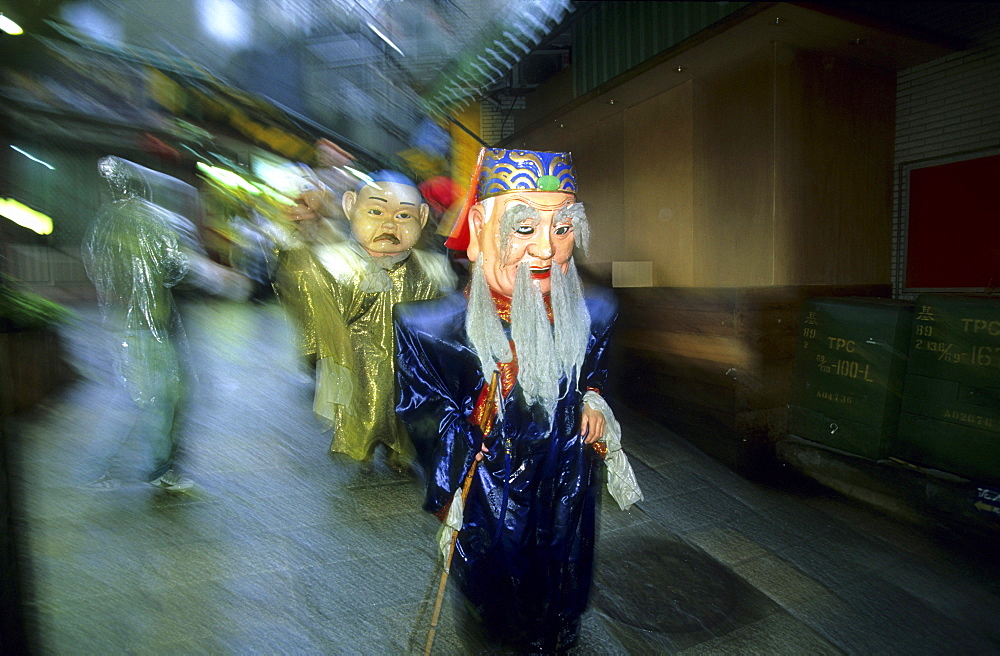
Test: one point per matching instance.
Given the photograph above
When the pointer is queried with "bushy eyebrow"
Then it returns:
(513, 216)
(581, 226)
(573, 212)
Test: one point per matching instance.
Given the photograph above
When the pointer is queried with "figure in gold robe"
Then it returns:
(342, 295)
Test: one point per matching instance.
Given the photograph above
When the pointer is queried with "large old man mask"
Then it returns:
(522, 226)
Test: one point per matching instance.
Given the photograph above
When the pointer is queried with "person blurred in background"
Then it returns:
(252, 253)
(137, 253)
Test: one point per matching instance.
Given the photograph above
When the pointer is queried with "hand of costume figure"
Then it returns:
(482, 452)
(300, 211)
(591, 424)
(316, 198)
(308, 223)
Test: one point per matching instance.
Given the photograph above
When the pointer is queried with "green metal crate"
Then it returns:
(953, 402)
(969, 452)
(849, 367)
(956, 337)
(851, 436)
(951, 396)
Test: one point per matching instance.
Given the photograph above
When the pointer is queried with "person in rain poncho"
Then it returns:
(137, 253)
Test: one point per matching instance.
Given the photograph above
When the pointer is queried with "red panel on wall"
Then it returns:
(953, 225)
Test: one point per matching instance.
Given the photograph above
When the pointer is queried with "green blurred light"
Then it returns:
(24, 216)
(273, 194)
(9, 26)
(227, 178)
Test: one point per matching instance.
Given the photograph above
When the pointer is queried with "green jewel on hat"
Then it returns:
(548, 183)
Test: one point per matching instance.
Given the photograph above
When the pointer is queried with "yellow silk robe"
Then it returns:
(343, 300)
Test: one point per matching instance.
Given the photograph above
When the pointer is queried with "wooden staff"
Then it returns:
(486, 425)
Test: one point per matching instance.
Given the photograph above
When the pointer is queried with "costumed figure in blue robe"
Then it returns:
(506, 378)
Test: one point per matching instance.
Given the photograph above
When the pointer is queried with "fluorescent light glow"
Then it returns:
(24, 216)
(227, 178)
(9, 26)
(384, 38)
(93, 22)
(33, 158)
(226, 21)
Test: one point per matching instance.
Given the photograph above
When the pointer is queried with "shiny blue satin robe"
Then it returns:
(529, 575)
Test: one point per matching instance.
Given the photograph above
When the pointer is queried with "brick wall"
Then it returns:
(497, 119)
(949, 107)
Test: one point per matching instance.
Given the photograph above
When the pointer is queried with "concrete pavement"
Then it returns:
(285, 549)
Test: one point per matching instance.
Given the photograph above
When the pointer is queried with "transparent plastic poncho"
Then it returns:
(134, 255)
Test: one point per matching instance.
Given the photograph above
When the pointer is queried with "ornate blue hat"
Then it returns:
(503, 171)
(500, 171)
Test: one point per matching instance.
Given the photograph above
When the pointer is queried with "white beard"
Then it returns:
(545, 351)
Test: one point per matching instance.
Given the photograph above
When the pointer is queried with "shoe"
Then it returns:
(171, 481)
(397, 462)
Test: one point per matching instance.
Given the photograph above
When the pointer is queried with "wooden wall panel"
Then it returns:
(773, 170)
(834, 134)
(598, 157)
(734, 174)
(658, 186)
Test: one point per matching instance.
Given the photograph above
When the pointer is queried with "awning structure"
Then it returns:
(493, 51)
